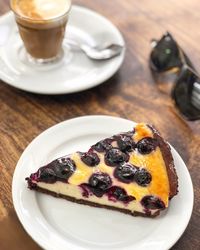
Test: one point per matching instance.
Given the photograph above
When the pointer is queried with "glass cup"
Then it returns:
(41, 25)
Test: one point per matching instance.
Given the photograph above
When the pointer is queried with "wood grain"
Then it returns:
(131, 94)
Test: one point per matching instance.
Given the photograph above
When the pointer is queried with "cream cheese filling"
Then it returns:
(76, 192)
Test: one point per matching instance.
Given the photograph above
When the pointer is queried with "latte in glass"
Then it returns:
(42, 26)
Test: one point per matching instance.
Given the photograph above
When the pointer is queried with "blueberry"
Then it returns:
(125, 172)
(125, 143)
(85, 190)
(142, 177)
(114, 157)
(129, 133)
(91, 159)
(152, 202)
(58, 170)
(147, 145)
(100, 183)
(102, 146)
(47, 175)
(119, 194)
(64, 167)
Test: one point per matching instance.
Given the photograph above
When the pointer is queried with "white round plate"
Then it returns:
(76, 72)
(59, 224)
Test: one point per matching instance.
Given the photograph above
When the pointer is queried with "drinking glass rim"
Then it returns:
(41, 20)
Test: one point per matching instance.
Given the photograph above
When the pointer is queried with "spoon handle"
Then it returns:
(73, 44)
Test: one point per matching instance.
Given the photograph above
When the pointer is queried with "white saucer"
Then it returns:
(75, 72)
(59, 224)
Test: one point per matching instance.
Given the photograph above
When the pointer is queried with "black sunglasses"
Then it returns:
(167, 58)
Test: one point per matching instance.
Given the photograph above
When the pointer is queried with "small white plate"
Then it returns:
(75, 72)
(59, 224)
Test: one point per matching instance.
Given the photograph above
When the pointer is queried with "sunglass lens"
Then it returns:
(165, 55)
(186, 94)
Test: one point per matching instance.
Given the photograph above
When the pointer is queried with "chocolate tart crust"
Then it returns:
(89, 203)
(169, 162)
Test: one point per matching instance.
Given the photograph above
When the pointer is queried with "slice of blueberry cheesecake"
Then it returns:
(131, 172)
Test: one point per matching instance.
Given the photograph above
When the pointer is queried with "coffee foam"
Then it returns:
(41, 9)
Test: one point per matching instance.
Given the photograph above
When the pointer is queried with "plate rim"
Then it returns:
(88, 84)
(78, 119)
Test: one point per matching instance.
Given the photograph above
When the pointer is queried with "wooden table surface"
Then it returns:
(131, 94)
